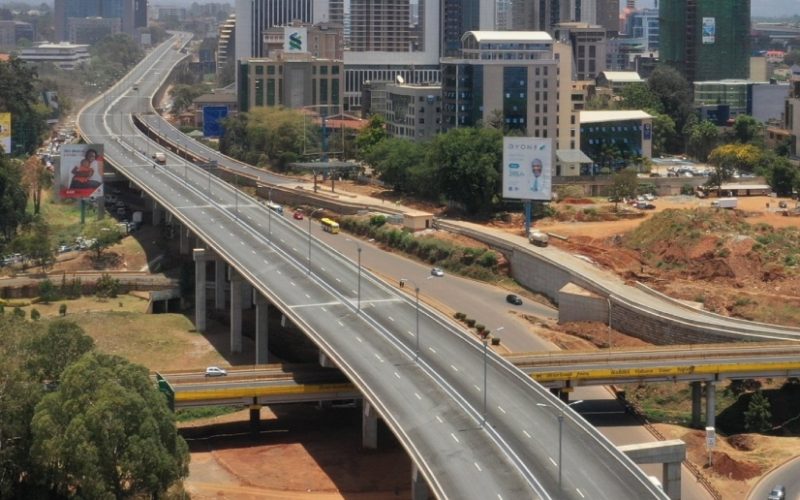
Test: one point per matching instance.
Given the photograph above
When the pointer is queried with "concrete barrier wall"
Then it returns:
(578, 304)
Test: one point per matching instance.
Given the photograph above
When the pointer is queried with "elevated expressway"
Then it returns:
(269, 384)
(425, 381)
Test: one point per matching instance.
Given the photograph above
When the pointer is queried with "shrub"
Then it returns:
(2, 309)
(18, 312)
(488, 260)
(35, 314)
(106, 286)
(480, 328)
(459, 316)
(687, 189)
(377, 220)
(495, 340)
(470, 322)
(48, 292)
(62, 309)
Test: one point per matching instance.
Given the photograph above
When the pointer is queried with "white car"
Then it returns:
(437, 272)
(215, 371)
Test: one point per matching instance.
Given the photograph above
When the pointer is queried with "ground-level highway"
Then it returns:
(469, 440)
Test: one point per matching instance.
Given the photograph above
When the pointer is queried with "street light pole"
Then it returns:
(416, 300)
(560, 433)
(269, 212)
(485, 348)
(310, 216)
(359, 276)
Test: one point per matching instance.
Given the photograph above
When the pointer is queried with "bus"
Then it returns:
(329, 225)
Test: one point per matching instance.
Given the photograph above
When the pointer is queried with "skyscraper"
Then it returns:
(128, 11)
(460, 16)
(706, 40)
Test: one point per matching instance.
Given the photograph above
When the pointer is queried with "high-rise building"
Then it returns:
(253, 17)
(511, 74)
(382, 26)
(543, 15)
(706, 40)
(589, 47)
(129, 12)
(460, 16)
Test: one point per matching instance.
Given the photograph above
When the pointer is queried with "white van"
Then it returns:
(160, 157)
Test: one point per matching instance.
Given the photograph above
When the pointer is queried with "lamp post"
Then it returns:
(358, 246)
(560, 433)
(485, 373)
(269, 212)
(310, 216)
(403, 281)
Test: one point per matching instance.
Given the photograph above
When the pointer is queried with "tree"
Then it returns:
(757, 417)
(36, 244)
(468, 164)
(731, 158)
(19, 96)
(372, 134)
(393, 159)
(702, 139)
(184, 95)
(639, 96)
(675, 95)
(624, 185)
(36, 177)
(52, 351)
(106, 432)
(13, 199)
(781, 175)
(747, 129)
(102, 234)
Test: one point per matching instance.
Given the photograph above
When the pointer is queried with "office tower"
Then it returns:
(127, 11)
(607, 15)
(706, 40)
(460, 16)
(253, 17)
(382, 26)
(589, 47)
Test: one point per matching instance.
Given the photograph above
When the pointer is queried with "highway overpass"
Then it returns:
(473, 425)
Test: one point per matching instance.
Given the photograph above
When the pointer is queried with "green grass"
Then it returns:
(189, 414)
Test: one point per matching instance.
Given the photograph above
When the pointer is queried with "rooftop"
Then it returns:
(622, 76)
(612, 116)
(509, 36)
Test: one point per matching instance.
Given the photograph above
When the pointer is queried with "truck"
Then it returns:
(729, 203)
(538, 238)
(160, 157)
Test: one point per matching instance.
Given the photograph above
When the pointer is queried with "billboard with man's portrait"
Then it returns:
(81, 172)
(527, 168)
(5, 132)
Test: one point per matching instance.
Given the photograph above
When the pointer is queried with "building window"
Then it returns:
(259, 70)
(323, 70)
(323, 91)
(271, 92)
(334, 70)
(270, 70)
(335, 91)
(259, 90)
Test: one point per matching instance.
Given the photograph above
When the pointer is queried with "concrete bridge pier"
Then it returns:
(262, 329)
(247, 295)
(697, 394)
(184, 240)
(156, 210)
(419, 487)
(711, 410)
(236, 312)
(669, 453)
(324, 360)
(369, 426)
(219, 284)
(255, 417)
(199, 255)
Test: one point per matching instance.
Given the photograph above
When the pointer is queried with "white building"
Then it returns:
(67, 56)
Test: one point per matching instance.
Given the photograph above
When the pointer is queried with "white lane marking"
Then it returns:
(292, 282)
(242, 242)
(579, 493)
(275, 270)
(359, 339)
(526, 433)
(254, 252)
(553, 461)
(391, 318)
(477, 388)
(221, 226)
(501, 409)
(340, 323)
(397, 375)
(454, 367)
(309, 296)
(454, 437)
(499, 496)
(430, 348)
(323, 269)
(419, 397)
(337, 279)
(293, 248)
(410, 333)
(379, 358)
(439, 419)
(324, 310)
(353, 291)
(283, 241)
(477, 466)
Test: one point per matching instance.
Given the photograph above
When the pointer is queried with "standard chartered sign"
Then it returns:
(295, 39)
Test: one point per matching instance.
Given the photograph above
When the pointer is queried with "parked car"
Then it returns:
(215, 371)
(298, 214)
(777, 493)
(437, 272)
(538, 238)
(513, 299)
(645, 205)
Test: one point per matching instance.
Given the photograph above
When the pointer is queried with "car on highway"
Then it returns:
(513, 299)
(215, 371)
(777, 493)
(437, 272)
(298, 214)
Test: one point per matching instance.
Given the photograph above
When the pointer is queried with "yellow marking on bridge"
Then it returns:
(664, 371)
(252, 392)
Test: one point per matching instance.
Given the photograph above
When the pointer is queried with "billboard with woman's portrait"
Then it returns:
(81, 171)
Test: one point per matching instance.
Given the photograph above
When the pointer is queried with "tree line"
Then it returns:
(78, 423)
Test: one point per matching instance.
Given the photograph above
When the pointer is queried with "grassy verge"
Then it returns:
(189, 414)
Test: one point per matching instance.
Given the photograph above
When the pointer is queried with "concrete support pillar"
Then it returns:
(247, 295)
(369, 426)
(262, 330)
(419, 487)
(219, 284)
(184, 239)
(671, 479)
(236, 312)
(324, 361)
(255, 418)
(697, 394)
(711, 397)
(156, 212)
(200, 289)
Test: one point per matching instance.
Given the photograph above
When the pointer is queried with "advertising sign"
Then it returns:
(709, 30)
(647, 131)
(81, 172)
(212, 115)
(295, 39)
(5, 132)
(527, 168)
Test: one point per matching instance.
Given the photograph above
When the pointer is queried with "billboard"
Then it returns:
(709, 30)
(295, 39)
(212, 115)
(5, 132)
(81, 172)
(527, 168)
